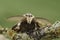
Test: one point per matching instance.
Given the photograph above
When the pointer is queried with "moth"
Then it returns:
(36, 27)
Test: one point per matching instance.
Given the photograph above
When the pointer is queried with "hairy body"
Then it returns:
(26, 27)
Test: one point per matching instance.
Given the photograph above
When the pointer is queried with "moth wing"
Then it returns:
(43, 21)
(15, 18)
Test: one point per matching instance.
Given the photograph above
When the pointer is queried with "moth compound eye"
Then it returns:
(31, 15)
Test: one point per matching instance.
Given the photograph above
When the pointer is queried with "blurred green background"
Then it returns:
(43, 8)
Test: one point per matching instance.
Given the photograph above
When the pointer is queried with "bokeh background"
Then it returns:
(43, 8)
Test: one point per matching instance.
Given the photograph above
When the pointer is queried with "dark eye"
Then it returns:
(30, 15)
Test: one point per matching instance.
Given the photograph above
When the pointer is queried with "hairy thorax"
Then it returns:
(26, 27)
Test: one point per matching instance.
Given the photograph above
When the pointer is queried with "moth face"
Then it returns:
(29, 18)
